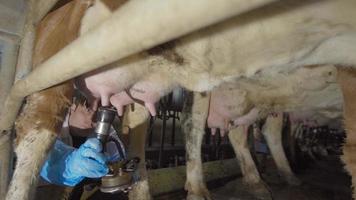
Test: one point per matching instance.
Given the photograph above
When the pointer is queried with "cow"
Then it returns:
(227, 101)
(241, 104)
(304, 88)
(279, 37)
(276, 38)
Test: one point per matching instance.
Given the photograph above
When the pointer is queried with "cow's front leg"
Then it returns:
(272, 131)
(251, 177)
(137, 122)
(194, 117)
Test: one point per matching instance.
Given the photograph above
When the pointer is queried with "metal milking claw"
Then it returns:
(131, 165)
(121, 172)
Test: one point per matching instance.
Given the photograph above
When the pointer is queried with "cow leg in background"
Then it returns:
(251, 177)
(136, 122)
(194, 115)
(272, 130)
(347, 81)
(43, 114)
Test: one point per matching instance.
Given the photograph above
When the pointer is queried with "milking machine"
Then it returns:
(121, 172)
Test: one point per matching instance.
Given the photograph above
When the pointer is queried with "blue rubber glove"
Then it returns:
(69, 166)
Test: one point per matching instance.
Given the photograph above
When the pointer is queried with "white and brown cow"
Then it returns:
(275, 38)
(241, 103)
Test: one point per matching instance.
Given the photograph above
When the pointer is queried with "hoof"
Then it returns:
(260, 191)
(197, 191)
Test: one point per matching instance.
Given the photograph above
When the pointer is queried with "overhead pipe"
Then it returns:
(136, 26)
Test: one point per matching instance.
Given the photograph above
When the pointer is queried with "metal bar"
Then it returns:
(163, 134)
(173, 136)
(218, 148)
(150, 132)
(6, 162)
(207, 136)
(136, 26)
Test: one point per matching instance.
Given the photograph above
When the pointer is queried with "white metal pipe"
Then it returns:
(6, 153)
(136, 26)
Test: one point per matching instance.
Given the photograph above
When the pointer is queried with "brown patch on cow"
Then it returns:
(58, 29)
(59, 4)
(46, 109)
(114, 4)
(168, 52)
(347, 81)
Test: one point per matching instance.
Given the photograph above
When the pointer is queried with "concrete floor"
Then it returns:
(322, 180)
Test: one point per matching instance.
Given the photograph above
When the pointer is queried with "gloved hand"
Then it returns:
(68, 166)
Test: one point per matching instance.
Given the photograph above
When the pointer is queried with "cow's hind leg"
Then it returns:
(194, 117)
(42, 117)
(272, 131)
(347, 81)
(251, 177)
(36, 130)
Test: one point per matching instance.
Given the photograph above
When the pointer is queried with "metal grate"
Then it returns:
(165, 142)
